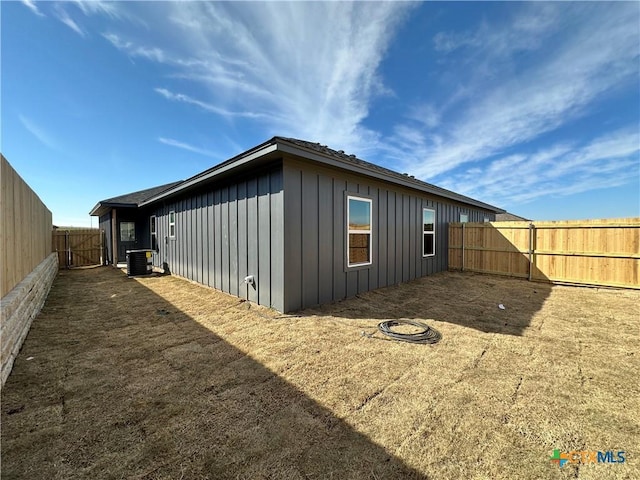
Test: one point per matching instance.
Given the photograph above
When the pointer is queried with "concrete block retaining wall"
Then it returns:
(20, 306)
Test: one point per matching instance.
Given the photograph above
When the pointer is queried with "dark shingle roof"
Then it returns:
(140, 196)
(131, 199)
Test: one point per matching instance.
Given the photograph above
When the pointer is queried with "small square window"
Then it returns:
(464, 218)
(172, 224)
(127, 232)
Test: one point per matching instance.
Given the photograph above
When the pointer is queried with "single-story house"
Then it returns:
(309, 224)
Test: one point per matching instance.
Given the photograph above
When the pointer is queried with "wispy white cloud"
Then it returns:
(93, 7)
(43, 136)
(150, 53)
(62, 15)
(307, 69)
(559, 170)
(180, 97)
(185, 146)
(31, 5)
(599, 55)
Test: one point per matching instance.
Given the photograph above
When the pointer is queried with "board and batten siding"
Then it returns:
(315, 233)
(226, 232)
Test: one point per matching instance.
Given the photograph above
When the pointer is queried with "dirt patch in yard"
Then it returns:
(161, 378)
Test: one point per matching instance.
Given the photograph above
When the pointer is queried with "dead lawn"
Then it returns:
(161, 378)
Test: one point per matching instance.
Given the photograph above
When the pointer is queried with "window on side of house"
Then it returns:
(358, 231)
(172, 224)
(486, 220)
(127, 231)
(464, 217)
(152, 229)
(428, 232)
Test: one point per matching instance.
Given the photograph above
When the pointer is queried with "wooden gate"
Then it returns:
(79, 247)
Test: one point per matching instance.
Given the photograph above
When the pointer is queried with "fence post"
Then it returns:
(462, 266)
(532, 230)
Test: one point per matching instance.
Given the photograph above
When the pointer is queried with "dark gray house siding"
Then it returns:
(226, 231)
(315, 265)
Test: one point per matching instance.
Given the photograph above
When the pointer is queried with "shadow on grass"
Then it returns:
(115, 382)
(467, 299)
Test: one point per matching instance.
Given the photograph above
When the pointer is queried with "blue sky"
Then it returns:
(533, 107)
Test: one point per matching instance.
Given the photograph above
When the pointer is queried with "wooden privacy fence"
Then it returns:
(79, 247)
(25, 229)
(591, 252)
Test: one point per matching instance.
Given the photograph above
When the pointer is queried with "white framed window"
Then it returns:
(359, 230)
(486, 220)
(172, 224)
(428, 232)
(127, 232)
(464, 217)
(152, 230)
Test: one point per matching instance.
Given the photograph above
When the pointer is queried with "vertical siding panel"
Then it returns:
(224, 204)
(182, 242)
(252, 236)
(325, 238)
(383, 228)
(391, 238)
(309, 239)
(242, 239)
(264, 242)
(203, 239)
(405, 238)
(277, 239)
(190, 237)
(233, 239)
(375, 268)
(217, 233)
(399, 228)
(339, 239)
(293, 237)
(196, 243)
(210, 240)
(412, 220)
(180, 238)
(175, 253)
(444, 215)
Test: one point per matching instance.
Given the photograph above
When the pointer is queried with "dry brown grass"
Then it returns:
(161, 378)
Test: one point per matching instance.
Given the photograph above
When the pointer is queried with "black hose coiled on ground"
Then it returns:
(428, 335)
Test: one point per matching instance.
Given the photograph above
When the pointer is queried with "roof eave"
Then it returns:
(103, 207)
